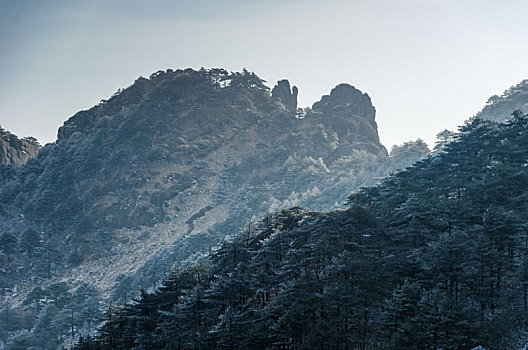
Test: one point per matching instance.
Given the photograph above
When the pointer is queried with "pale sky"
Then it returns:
(426, 64)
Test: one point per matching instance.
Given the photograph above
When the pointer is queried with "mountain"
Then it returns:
(159, 173)
(15, 151)
(434, 257)
(500, 108)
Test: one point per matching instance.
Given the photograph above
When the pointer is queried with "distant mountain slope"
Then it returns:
(500, 108)
(161, 171)
(435, 257)
(15, 151)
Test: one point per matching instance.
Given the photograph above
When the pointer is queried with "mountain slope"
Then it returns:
(432, 258)
(500, 108)
(161, 171)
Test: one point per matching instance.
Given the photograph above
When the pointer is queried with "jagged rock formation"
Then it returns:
(166, 167)
(288, 97)
(352, 116)
(15, 151)
(345, 99)
(500, 108)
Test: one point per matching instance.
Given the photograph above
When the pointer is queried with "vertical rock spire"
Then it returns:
(286, 95)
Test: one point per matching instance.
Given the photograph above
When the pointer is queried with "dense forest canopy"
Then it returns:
(434, 257)
(160, 172)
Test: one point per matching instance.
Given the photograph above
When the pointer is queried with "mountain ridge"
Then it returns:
(432, 257)
(158, 174)
(165, 168)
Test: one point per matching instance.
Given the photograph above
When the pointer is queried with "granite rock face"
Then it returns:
(351, 114)
(15, 151)
(285, 95)
(346, 99)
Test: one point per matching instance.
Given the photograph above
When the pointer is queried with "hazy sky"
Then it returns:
(427, 64)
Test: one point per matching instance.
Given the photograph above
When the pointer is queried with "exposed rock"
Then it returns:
(346, 99)
(288, 97)
(351, 114)
(15, 151)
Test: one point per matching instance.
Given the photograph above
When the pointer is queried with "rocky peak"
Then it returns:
(15, 151)
(345, 98)
(350, 113)
(288, 97)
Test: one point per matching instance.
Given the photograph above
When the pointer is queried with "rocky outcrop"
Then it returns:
(346, 99)
(15, 151)
(351, 114)
(288, 97)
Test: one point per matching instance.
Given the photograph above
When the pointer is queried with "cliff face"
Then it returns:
(167, 167)
(285, 95)
(15, 151)
(351, 114)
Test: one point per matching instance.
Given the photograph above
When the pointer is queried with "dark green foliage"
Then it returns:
(121, 163)
(263, 288)
(30, 242)
(8, 243)
(443, 138)
(432, 258)
(182, 146)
